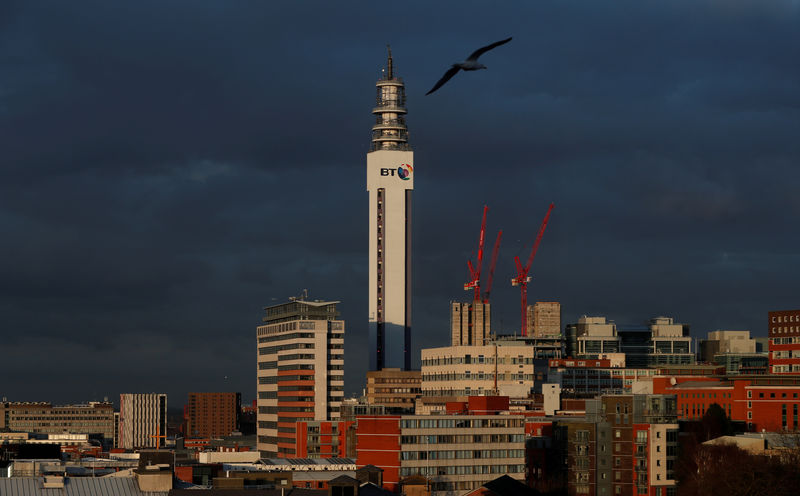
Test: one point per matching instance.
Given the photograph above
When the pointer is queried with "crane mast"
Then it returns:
(475, 273)
(522, 279)
(492, 265)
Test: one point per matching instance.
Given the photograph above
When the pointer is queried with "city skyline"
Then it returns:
(169, 171)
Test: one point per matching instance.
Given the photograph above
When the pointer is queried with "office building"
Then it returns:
(142, 420)
(397, 390)
(390, 182)
(94, 418)
(735, 350)
(452, 373)
(213, 415)
(300, 371)
(660, 342)
(590, 378)
(770, 403)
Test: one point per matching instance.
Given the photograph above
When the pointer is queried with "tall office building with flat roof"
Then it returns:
(390, 182)
(300, 371)
(142, 420)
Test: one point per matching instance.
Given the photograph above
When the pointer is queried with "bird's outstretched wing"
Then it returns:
(447, 75)
(480, 51)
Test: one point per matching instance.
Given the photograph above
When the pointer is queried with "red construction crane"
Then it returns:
(522, 278)
(491, 267)
(475, 274)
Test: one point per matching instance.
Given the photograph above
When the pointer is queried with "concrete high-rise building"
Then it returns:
(470, 323)
(300, 371)
(142, 420)
(546, 319)
(213, 414)
(390, 182)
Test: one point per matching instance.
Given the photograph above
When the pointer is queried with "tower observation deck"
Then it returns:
(390, 182)
(390, 131)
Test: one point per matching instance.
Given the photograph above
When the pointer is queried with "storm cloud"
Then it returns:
(169, 169)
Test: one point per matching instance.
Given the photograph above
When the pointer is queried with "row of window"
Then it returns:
(783, 329)
(633, 373)
(284, 337)
(478, 376)
(463, 438)
(274, 379)
(460, 423)
(19, 418)
(467, 360)
(271, 350)
(787, 318)
(778, 369)
(463, 470)
(394, 390)
(461, 454)
(771, 395)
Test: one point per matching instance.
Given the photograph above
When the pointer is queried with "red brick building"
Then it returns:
(768, 403)
(378, 443)
(325, 439)
(784, 342)
(212, 415)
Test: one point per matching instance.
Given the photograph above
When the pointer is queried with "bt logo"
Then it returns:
(403, 172)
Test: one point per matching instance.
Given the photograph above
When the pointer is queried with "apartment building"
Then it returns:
(211, 415)
(625, 445)
(325, 439)
(300, 371)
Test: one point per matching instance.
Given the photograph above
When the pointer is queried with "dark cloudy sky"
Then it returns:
(169, 168)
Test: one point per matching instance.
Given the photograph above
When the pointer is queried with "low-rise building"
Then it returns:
(453, 373)
(456, 453)
(770, 403)
(94, 418)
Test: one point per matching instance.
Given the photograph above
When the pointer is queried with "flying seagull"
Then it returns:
(471, 64)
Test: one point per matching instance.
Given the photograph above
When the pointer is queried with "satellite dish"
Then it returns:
(672, 381)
